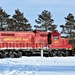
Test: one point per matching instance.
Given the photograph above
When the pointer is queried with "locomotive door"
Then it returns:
(49, 38)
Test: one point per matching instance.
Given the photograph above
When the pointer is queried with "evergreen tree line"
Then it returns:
(44, 22)
(17, 23)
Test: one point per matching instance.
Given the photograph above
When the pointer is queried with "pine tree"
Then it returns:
(45, 20)
(69, 27)
(20, 22)
(3, 20)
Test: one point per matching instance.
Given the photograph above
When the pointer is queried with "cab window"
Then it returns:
(56, 37)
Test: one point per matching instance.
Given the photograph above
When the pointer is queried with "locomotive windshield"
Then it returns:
(56, 37)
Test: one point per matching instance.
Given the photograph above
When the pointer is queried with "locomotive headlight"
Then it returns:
(70, 48)
(66, 48)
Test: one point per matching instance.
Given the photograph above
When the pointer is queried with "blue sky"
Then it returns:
(31, 8)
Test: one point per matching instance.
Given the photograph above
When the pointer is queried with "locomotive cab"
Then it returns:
(55, 37)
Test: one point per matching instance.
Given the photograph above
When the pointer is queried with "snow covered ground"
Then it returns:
(38, 66)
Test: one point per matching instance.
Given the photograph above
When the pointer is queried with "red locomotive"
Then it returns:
(16, 44)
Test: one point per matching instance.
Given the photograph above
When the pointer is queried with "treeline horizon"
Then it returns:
(44, 22)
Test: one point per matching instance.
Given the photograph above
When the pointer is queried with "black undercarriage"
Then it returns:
(16, 53)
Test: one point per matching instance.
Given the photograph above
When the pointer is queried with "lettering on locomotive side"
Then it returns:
(15, 39)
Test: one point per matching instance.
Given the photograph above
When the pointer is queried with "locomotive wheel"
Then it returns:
(19, 54)
(50, 54)
(11, 54)
(63, 53)
(60, 53)
(66, 53)
(1, 55)
(54, 53)
(6, 54)
(15, 54)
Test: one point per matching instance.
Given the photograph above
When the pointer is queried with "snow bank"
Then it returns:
(50, 61)
(35, 73)
(38, 66)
